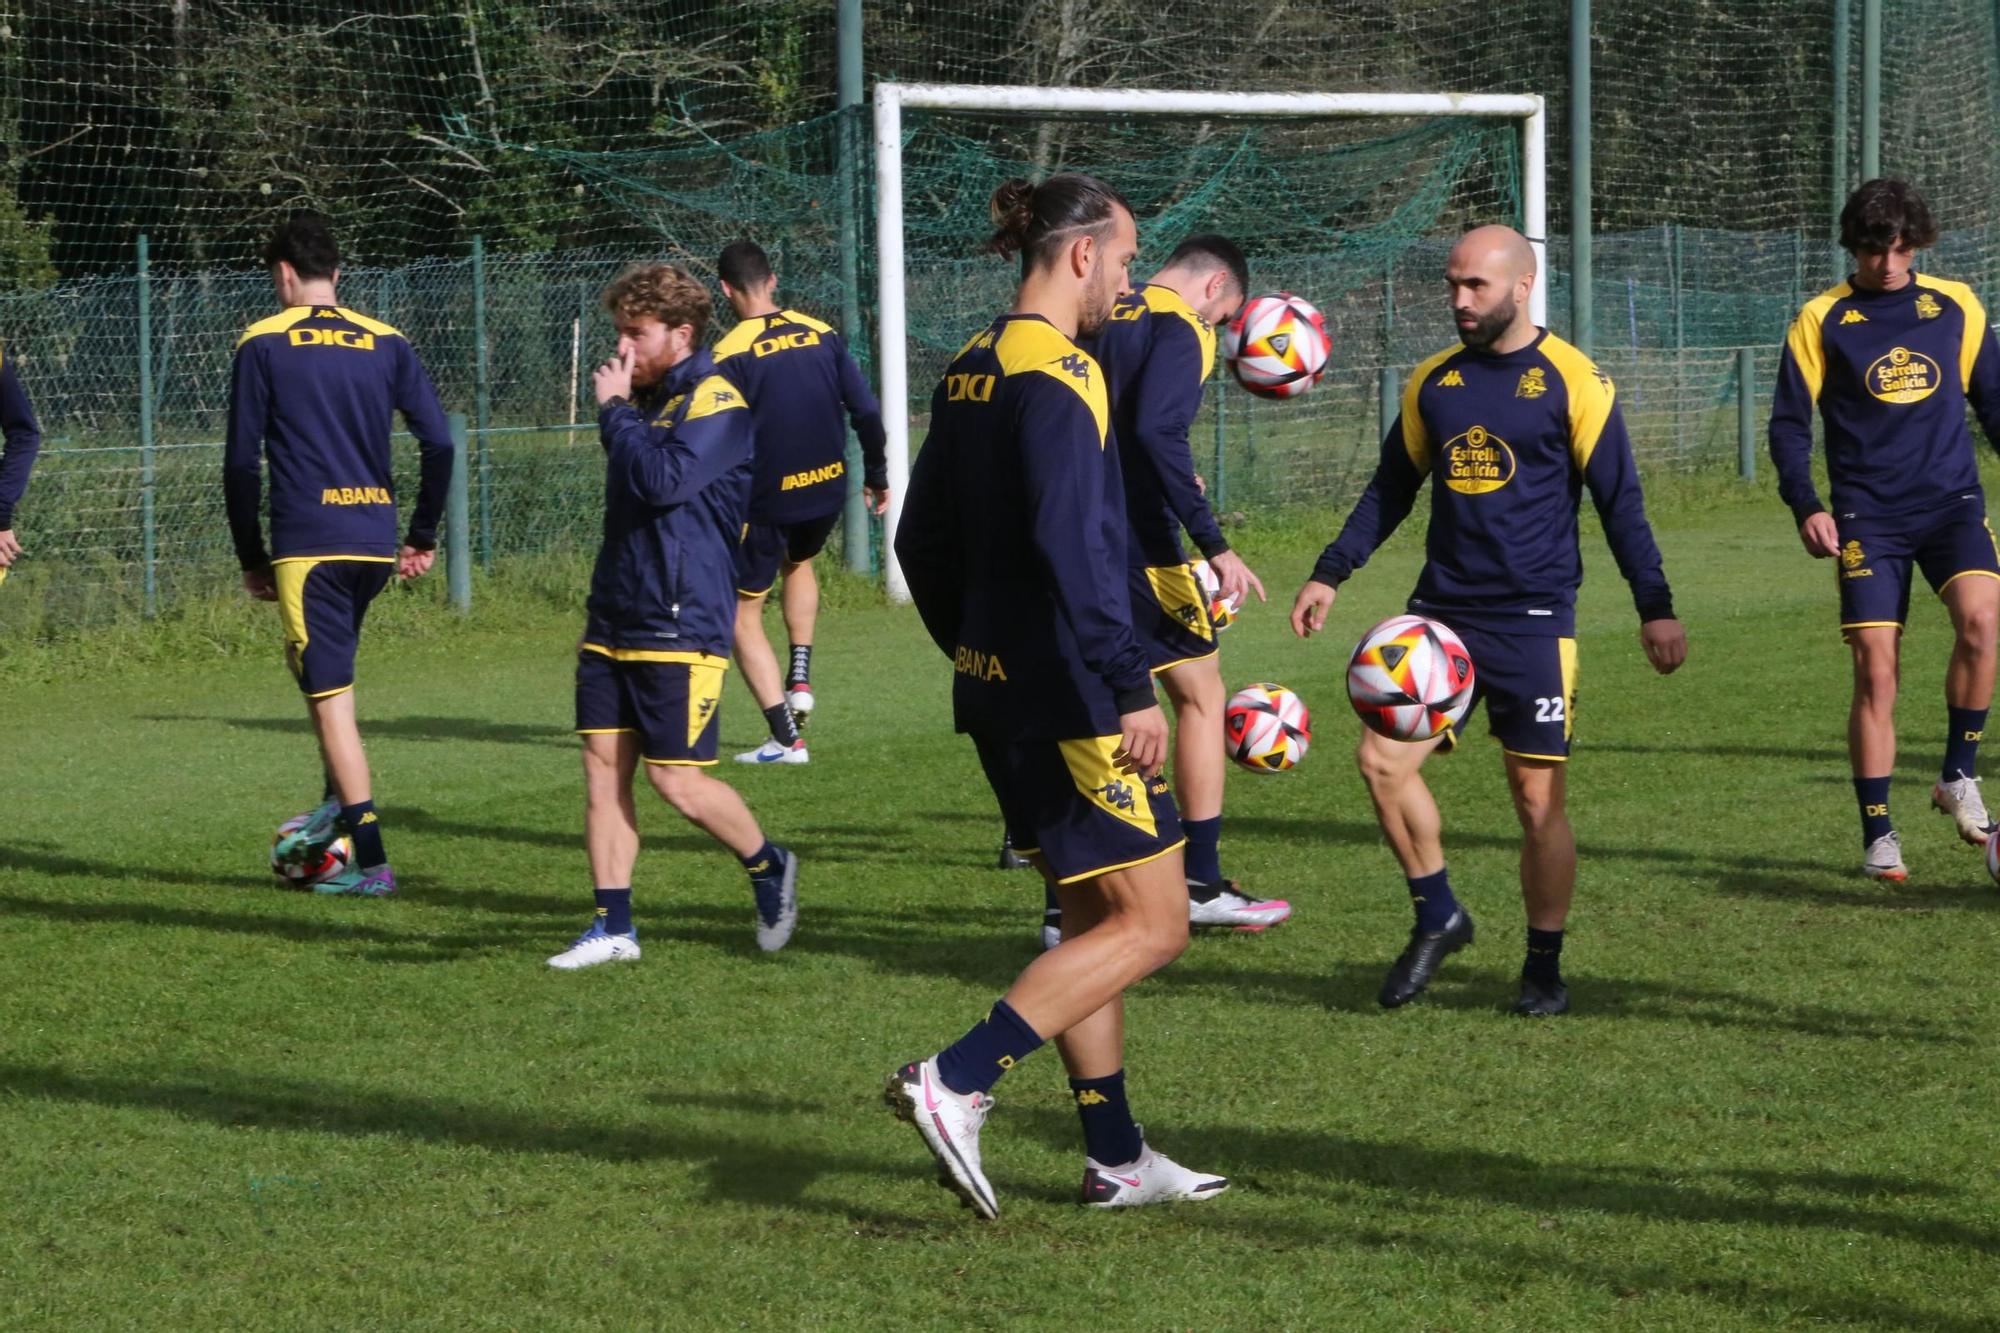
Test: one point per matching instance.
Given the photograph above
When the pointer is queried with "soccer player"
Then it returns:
(677, 452)
(1510, 427)
(20, 441)
(799, 379)
(1011, 539)
(1892, 356)
(315, 388)
(1157, 350)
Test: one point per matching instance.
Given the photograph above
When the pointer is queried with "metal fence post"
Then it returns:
(148, 537)
(457, 541)
(1746, 413)
(1838, 148)
(1582, 313)
(482, 401)
(847, 138)
(1387, 401)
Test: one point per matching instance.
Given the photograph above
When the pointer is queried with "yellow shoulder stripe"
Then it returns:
(1032, 346)
(372, 325)
(1805, 341)
(714, 394)
(1591, 397)
(1416, 440)
(739, 338)
(1164, 301)
(1975, 321)
(277, 323)
(796, 317)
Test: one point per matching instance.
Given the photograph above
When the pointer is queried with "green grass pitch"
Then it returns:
(224, 1106)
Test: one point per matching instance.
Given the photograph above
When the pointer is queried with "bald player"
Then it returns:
(1513, 423)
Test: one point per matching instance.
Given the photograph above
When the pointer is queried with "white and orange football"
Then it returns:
(1410, 678)
(1277, 345)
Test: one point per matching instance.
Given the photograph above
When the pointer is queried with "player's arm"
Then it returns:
(417, 400)
(23, 437)
(1166, 395)
(927, 546)
(242, 468)
(1982, 384)
(1801, 375)
(866, 415)
(1602, 450)
(666, 468)
(1384, 504)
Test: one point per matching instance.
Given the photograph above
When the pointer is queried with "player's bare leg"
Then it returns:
(759, 665)
(1548, 879)
(1197, 694)
(1409, 818)
(340, 746)
(610, 815)
(715, 808)
(1973, 600)
(1871, 744)
(800, 602)
(1141, 927)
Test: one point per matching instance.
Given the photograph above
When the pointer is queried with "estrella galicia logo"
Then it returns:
(1903, 376)
(1118, 795)
(1476, 462)
(1077, 365)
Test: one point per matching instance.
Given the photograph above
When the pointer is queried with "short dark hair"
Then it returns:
(1036, 220)
(1211, 251)
(305, 241)
(1883, 211)
(744, 265)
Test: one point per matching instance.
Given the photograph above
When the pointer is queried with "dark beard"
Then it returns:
(1490, 326)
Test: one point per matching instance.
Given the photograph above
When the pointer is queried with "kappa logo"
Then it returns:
(1078, 365)
(1853, 317)
(703, 707)
(720, 397)
(1091, 1097)
(1118, 794)
(1534, 383)
(1927, 307)
(1188, 615)
(1451, 380)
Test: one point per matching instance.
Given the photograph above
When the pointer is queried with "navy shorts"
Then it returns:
(1876, 558)
(766, 547)
(1170, 615)
(322, 600)
(671, 701)
(1528, 683)
(1069, 802)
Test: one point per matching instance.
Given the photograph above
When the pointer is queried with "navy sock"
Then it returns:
(784, 729)
(614, 906)
(1109, 1135)
(1873, 796)
(997, 1042)
(766, 860)
(1431, 896)
(1204, 859)
(1961, 742)
(1544, 963)
(802, 660)
(367, 833)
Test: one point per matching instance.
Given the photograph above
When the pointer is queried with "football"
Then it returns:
(1221, 610)
(1277, 345)
(1410, 678)
(1993, 858)
(314, 863)
(1266, 728)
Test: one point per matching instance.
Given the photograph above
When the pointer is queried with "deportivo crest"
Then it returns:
(1534, 383)
(1927, 307)
(1852, 562)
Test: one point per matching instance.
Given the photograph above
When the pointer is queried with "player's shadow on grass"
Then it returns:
(409, 728)
(983, 946)
(1917, 898)
(299, 930)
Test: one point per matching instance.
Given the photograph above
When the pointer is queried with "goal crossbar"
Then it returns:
(892, 364)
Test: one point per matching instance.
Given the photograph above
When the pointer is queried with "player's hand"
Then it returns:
(414, 564)
(1821, 535)
(1310, 608)
(876, 500)
(613, 379)
(10, 548)
(1236, 578)
(1142, 742)
(261, 583)
(1666, 644)
(1200, 485)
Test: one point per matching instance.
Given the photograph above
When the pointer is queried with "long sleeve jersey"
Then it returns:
(1509, 442)
(1157, 354)
(317, 388)
(1013, 538)
(23, 439)
(1891, 373)
(800, 379)
(676, 480)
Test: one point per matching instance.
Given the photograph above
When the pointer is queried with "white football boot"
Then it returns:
(1154, 1178)
(777, 904)
(771, 752)
(1885, 859)
(799, 698)
(1237, 910)
(595, 946)
(1960, 799)
(949, 1124)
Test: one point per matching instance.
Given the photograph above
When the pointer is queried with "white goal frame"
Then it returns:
(893, 367)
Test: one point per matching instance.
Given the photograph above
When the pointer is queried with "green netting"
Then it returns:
(572, 135)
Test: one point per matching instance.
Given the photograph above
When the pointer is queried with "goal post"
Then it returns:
(890, 99)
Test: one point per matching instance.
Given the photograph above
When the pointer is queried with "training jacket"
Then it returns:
(23, 441)
(676, 479)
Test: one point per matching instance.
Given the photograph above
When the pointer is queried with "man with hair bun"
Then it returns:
(677, 446)
(1013, 541)
(1891, 357)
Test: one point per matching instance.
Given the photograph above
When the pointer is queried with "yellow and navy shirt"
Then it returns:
(799, 378)
(1013, 539)
(23, 439)
(1157, 354)
(317, 388)
(1509, 443)
(1892, 373)
(676, 480)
